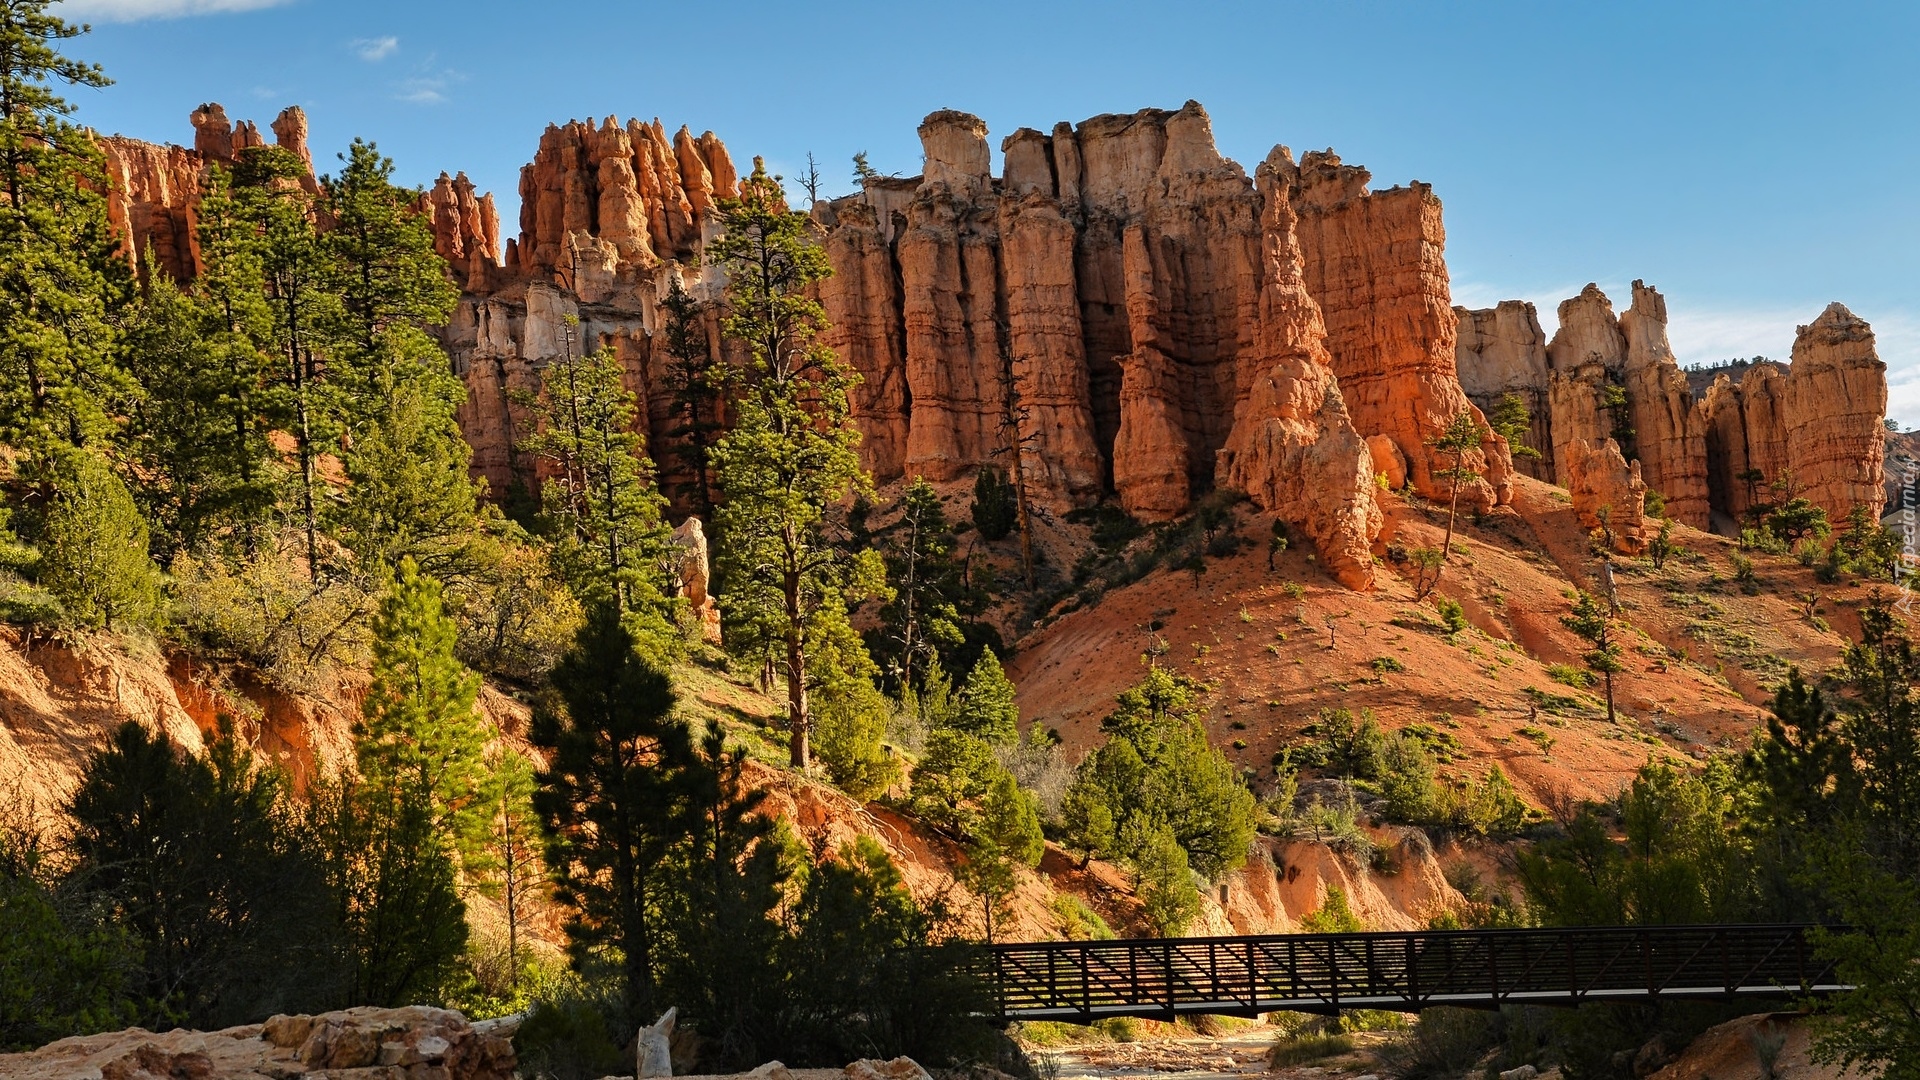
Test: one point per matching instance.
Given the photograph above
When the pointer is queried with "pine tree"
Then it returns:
(1461, 436)
(1006, 837)
(93, 542)
(199, 860)
(61, 280)
(790, 457)
(598, 498)
(408, 492)
(1513, 422)
(199, 431)
(513, 837)
(613, 800)
(850, 715)
(988, 709)
(1591, 621)
(696, 379)
(931, 616)
(722, 913)
(419, 728)
(394, 885)
(303, 309)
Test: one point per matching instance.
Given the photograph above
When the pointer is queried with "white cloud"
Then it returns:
(429, 83)
(374, 50)
(136, 10)
(422, 90)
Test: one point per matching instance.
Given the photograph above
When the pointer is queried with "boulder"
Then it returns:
(411, 1043)
(900, 1068)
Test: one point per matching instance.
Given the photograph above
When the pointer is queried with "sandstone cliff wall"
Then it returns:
(1375, 262)
(1813, 427)
(153, 190)
(1501, 350)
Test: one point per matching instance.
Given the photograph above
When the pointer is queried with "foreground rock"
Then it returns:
(412, 1043)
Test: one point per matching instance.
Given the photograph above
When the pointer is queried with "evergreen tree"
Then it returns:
(392, 878)
(1007, 836)
(200, 860)
(419, 729)
(1462, 435)
(1158, 771)
(93, 542)
(61, 281)
(599, 499)
(613, 801)
(931, 615)
(1514, 423)
(721, 913)
(1595, 626)
(198, 432)
(850, 715)
(408, 492)
(995, 511)
(513, 840)
(1882, 725)
(988, 709)
(790, 457)
(695, 378)
(1161, 876)
(303, 309)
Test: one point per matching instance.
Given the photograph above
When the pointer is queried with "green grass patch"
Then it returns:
(1568, 675)
(1306, 1049)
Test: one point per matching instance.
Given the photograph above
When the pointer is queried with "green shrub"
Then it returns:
(1306, 1049)
(1452, 615)
(1077, 921)
(1385, 664)
(1333, 916)
(995, 509)
(1442, 1043)
(1567, 674)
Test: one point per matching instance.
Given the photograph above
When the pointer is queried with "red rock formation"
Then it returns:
(1501, 351)
(466, 229)
(1375, 263)
(1602, 482)
(290, 134)
(1293, 448)
(1746, 441)
(153, 190)
(1703, 454)
(1669, 427)
(1834, 401)
(152, 196)
(622, 197)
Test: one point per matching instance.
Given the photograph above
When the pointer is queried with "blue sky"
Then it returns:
(1753, 160)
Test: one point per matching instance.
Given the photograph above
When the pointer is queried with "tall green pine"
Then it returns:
(790, 458)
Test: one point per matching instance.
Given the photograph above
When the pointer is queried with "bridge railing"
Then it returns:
(1167, 977)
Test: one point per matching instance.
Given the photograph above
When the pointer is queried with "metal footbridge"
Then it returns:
(1162, 978)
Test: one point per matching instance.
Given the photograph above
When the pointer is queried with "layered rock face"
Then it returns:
(1375, 262)
(1134, 316)
(153, 191)
(610, 214)
(1711, 453)
(1608, 491)
(1835, 401)
(1293, 447)
(1501, 350)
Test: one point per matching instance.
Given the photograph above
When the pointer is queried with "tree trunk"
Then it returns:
(1609, 675)
(798, 722)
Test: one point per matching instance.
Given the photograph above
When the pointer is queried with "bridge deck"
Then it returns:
(1082, 981)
